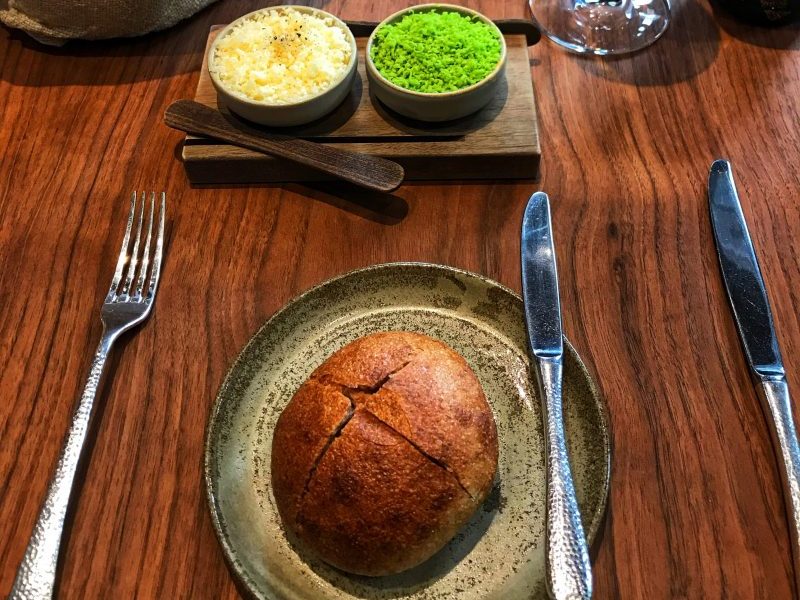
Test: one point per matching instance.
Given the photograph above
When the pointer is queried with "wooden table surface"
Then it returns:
(695, 507)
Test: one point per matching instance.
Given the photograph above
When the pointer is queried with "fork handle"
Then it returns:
(36, 575)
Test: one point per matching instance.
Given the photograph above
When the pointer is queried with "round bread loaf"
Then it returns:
(384, 453)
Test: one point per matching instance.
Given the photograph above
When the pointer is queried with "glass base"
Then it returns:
(602, 27)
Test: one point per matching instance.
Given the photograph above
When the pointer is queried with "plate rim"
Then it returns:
(598, 516)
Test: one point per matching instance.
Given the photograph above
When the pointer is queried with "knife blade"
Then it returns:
(540, 279)
(741, 273)
(569, 574)
(748, 298)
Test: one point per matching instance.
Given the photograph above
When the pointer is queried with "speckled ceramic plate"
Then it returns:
(500, 553)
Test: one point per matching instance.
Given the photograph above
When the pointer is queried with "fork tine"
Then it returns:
(146, 253)
(123, 251)
(126, 285)
(151, 292)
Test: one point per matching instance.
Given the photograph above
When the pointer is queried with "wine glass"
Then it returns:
(601, 27)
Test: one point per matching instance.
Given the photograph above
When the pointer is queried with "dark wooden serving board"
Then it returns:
(499, 142)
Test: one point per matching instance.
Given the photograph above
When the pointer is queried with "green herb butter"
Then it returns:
(435, 52)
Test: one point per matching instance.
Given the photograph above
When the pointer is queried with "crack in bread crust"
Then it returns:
(299, 517)
(331, 437)
(347, 392)
(366, 389)
(439, 463)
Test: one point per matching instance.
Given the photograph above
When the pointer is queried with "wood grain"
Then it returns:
(696, 510)
(370, 172)
(499, 142)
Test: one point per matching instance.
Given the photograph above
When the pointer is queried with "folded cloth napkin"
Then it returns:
(56, 21)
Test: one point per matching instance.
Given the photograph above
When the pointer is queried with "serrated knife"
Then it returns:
(569, 574)
(748, 297)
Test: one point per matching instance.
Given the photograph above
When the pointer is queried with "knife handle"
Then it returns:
(777, 404)
(569, 572)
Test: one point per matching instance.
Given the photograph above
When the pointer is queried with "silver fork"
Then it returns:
(128, 303)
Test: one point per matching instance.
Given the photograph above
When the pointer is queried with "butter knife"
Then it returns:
(569, 574)
(748, 297)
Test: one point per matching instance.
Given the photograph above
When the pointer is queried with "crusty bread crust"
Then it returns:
(302, 431)
(376, 505)
(384, 453)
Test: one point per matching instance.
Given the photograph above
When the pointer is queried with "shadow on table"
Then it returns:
(687, 48)
(783, 37)
(386, 209)
(102, 62)
(378, 207)
(156, 55)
